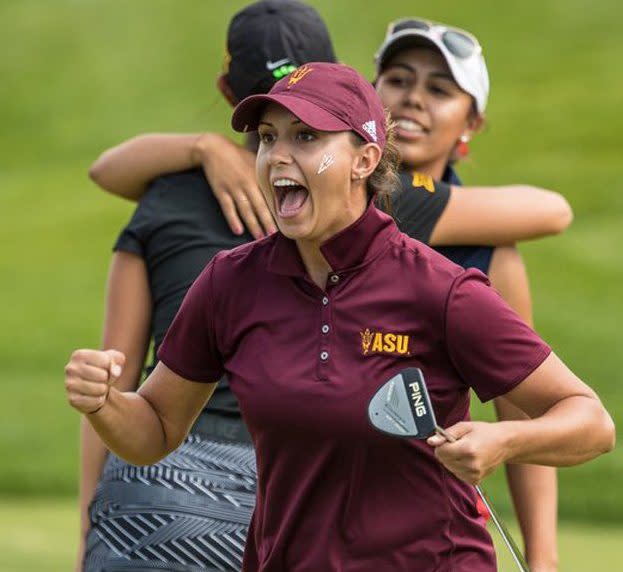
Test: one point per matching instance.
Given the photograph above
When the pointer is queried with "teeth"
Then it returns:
(286, 183)
(409, 125)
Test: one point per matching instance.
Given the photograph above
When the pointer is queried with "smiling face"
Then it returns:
(310, 178)
(431, 111)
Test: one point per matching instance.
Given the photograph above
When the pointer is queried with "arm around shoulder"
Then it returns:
(501, 215)
(126, 169)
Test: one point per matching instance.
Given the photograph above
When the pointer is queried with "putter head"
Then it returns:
(402, 407)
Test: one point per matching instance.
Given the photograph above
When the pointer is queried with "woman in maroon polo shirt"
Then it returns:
(418, 78)
(287, 318)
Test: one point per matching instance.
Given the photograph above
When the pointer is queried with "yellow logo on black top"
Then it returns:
(384, 343)
(298, 74)
(421, 180)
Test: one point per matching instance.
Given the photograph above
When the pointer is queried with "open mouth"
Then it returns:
(290, 197)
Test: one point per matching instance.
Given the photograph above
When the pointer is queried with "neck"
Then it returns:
(315, 263)
(434, 169)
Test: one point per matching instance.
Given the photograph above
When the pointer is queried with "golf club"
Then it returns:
(402, 407)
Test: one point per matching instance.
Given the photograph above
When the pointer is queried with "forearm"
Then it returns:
(93, 455)
(127, 169)
(131, 428)
(534, 491)
(535, 498)
(550, 212)
(575, 430)
(92, 458)
(500, 215)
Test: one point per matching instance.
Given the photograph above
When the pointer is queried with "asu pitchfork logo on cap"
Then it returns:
(384, 343)
(298, 74)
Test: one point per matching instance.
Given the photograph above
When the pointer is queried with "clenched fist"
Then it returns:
(88, 377)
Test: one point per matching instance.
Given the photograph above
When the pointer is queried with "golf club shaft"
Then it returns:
(506, 537)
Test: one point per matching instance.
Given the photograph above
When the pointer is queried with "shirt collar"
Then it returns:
(450, 176)
(359, 243)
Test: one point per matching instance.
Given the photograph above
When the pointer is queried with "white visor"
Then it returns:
(470, 73)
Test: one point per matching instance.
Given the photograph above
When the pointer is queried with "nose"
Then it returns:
(280, 152)
(414, 96)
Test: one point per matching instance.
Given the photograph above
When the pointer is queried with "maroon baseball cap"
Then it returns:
(325, 96)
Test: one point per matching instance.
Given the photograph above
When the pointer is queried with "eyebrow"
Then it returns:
(440, 75)
(261, 122)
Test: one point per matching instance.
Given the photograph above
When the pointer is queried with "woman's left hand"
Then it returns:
(479, 448)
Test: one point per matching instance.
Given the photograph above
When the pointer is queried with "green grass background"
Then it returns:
(77, 76)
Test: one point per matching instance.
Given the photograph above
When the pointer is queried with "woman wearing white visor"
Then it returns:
(434, 80)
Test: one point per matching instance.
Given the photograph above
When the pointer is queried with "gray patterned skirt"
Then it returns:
(188, 513)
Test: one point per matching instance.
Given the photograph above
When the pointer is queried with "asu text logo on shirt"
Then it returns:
(384, 343)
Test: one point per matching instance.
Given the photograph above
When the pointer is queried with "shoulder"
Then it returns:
(418, 203)
(424, 259)
(249, 258)
(172, 186)
(185, 201)
(426, 277)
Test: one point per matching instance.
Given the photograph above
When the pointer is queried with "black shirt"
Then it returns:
(178, 227)
(418, 204)
(466, 256)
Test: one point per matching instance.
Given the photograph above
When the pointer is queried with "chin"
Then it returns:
(414, 160)
(293, 230)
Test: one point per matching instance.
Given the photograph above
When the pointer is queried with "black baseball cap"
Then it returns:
(269, 39)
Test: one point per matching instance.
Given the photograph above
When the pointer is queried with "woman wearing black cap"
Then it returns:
(191, 511)
(284, 318)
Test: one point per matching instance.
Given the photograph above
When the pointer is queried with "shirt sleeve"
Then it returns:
(491, 347)
(190, 347)
(129, 240)
(136, 233)
(418, 204)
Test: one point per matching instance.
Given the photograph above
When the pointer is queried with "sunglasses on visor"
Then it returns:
(459, 43)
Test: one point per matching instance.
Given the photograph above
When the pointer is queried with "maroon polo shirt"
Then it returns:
(333, 493)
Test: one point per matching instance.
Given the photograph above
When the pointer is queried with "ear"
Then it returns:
(223, 87)
(365, 161)
(474, 124)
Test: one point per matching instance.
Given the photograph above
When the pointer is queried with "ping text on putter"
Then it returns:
(402, 407)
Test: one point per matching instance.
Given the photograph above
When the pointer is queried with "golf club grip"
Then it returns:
(506, 537)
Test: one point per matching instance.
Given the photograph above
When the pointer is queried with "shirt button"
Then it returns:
(334, 278)
(325, 329)
(325, 301)
(324, 356)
